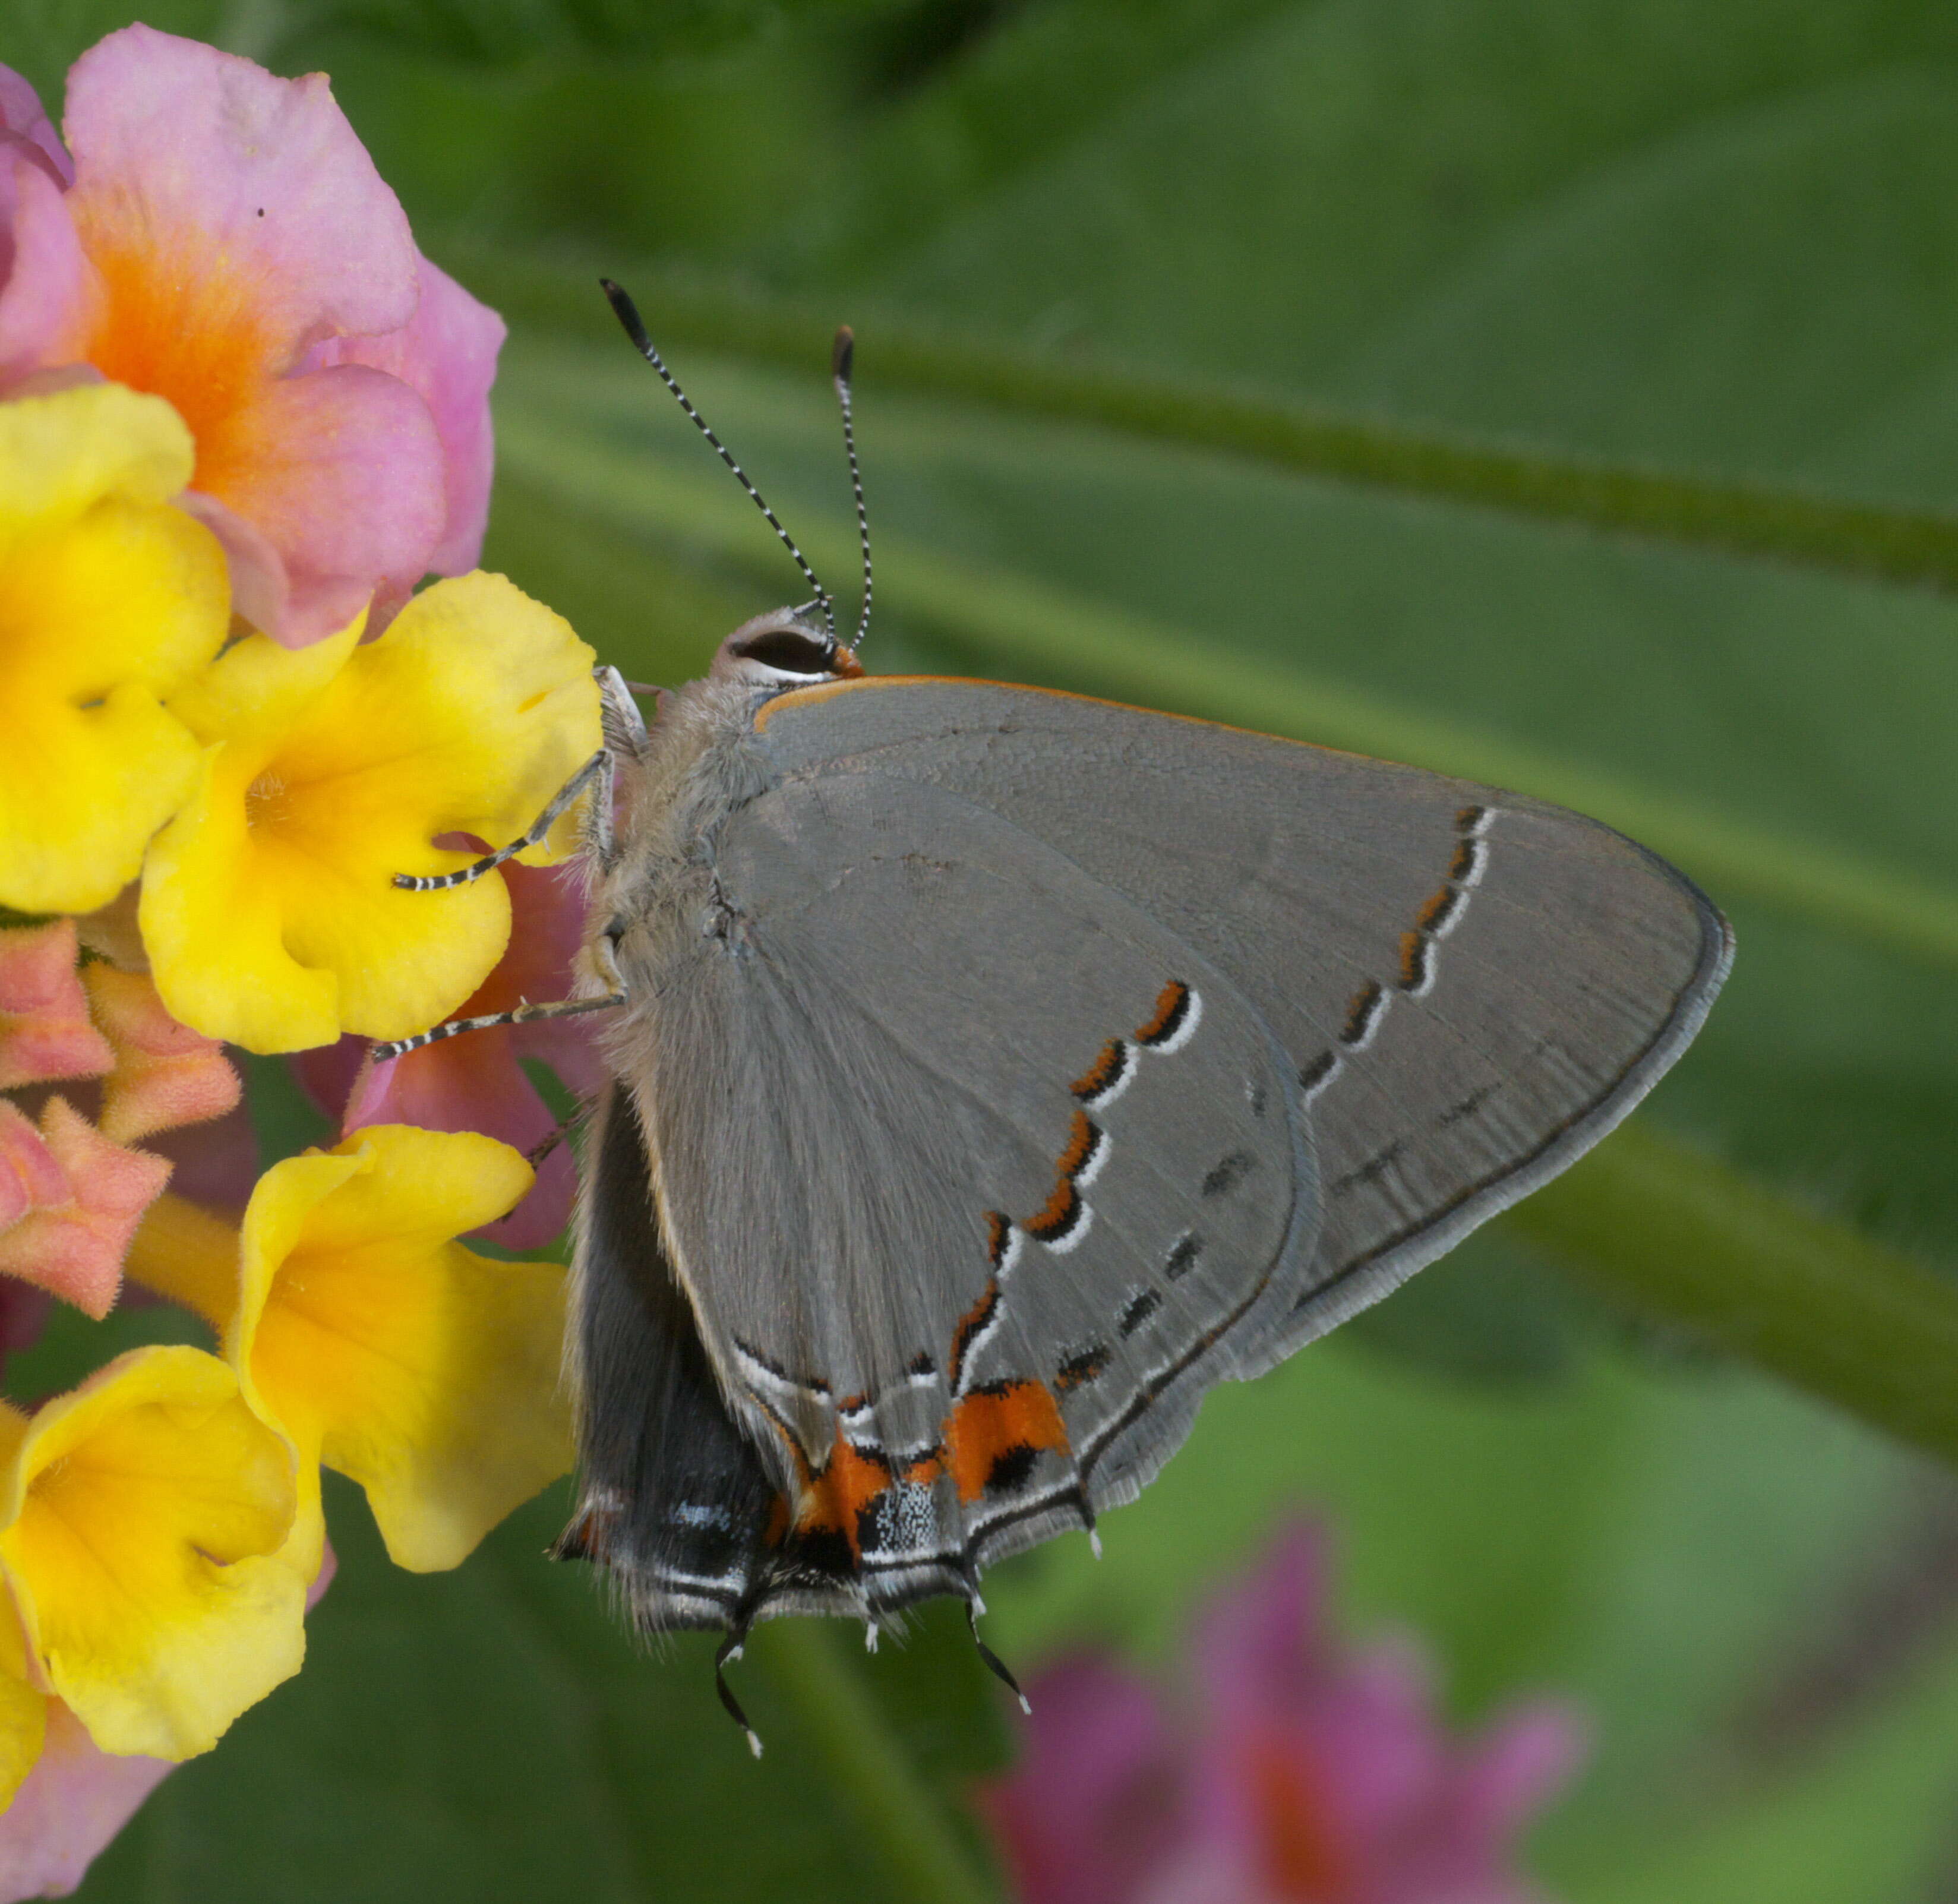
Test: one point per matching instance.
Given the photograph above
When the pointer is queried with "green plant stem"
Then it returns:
(1732, 518)
(1681, 1236)
(899, 1815)
(1029, 625)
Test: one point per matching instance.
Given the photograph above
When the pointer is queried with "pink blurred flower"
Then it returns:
(70, 1807)
(476, 1081)
(1314, 1773)
(44, 1031)
(221, 238)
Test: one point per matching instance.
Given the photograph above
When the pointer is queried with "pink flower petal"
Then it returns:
(261, 590)
(1091, 1806)
(22, 116)
(1518, 1766)
(72, 1805)
(341, 471)
(45, 1029)
(1260, 1641)
(74, 1249)
(46, 284)
(165, 1074)
(225, 174)
(30, 1179)
(448, 356)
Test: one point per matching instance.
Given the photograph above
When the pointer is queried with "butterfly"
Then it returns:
(995, 1070)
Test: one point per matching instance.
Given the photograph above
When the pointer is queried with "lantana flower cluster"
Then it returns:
(242, 421)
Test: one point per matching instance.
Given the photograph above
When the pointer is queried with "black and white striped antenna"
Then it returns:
(841, 360)
(627, 314)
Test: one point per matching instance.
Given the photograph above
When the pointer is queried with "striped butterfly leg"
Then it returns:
(598, 769)
(624, 730)
(608, 966)
(597, 775)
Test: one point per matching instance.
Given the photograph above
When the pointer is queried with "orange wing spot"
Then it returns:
(1413, 946)
(993, 1422)
(1101, 1073)
(1081, 1142)
(831, 1500)
(1436, 910)
(1169, 1002)
(1057, 1215)
(776, 1530)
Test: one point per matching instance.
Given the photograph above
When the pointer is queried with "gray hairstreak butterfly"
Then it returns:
(994, 1070)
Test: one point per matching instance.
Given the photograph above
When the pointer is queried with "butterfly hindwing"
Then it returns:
(976, 1173)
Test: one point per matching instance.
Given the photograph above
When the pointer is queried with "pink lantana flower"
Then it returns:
(45, 1032)
(476, 1081)
(1309, 1772)
(219, 236)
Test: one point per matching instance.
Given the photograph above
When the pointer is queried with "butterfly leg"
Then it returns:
(608, 968)
(598, 769)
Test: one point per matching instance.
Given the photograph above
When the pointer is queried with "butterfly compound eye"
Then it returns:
(787, 650)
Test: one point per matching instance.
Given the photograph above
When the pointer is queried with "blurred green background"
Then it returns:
(1718, 242)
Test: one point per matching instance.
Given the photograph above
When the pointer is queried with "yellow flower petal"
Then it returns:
(61, 454)
(385, 1348)
(109, 598)
(23, 1730)
(268, 907)
(138, 1521)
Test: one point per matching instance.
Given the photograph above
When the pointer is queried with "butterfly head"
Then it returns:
(784, 649)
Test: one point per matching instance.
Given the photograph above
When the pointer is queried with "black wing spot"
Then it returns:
(1228, 1173)
(1012, 1467)
(1374, 1168)
(1140, 1307)
(1183, 1255)
(1083, 1366)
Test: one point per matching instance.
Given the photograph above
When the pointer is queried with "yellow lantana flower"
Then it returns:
(109, 600)
(380, 1345)
(268, 906)
(142, 1520)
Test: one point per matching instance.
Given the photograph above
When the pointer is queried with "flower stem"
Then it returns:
(1732, 518)
(899, 1815)
(1683, 1237)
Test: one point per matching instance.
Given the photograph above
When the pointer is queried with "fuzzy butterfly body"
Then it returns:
(996, 1070)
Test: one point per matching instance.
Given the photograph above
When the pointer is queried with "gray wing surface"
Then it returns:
(1471, 987)
(977, 1174)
